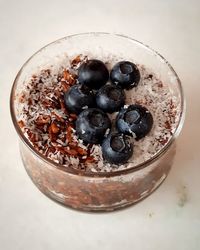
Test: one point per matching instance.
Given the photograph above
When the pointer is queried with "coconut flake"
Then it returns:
(153, 94)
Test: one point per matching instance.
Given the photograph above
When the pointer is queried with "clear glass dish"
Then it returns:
(98, 191)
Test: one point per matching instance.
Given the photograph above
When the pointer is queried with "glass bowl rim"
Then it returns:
(125, 171)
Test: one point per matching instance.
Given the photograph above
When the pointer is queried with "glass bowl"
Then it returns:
(100, 191)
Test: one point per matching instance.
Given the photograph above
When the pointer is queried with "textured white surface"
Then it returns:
(170, 217)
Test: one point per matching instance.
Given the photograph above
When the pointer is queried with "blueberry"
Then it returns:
(135, 119)
(93, 73)
(77, 97)
(91, 125)
(110, 98)
(116, 148)
(125, 74)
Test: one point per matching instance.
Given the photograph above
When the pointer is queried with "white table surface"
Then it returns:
(170, 217)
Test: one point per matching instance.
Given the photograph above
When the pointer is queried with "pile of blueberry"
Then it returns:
(94, 96)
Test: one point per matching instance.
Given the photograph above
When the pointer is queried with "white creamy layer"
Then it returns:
(151, 93)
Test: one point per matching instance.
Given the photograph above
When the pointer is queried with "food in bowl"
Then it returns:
(97, 125)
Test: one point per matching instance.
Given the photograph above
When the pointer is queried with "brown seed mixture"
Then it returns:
(48, 124)
(51, 128)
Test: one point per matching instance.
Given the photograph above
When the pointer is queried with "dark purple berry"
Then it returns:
(125, 74)
(117, 148)
(79, 97)
(93, 74)
(135, 119)
(110, 98)
(91, 125)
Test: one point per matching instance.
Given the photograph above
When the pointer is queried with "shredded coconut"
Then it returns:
(49, 126)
